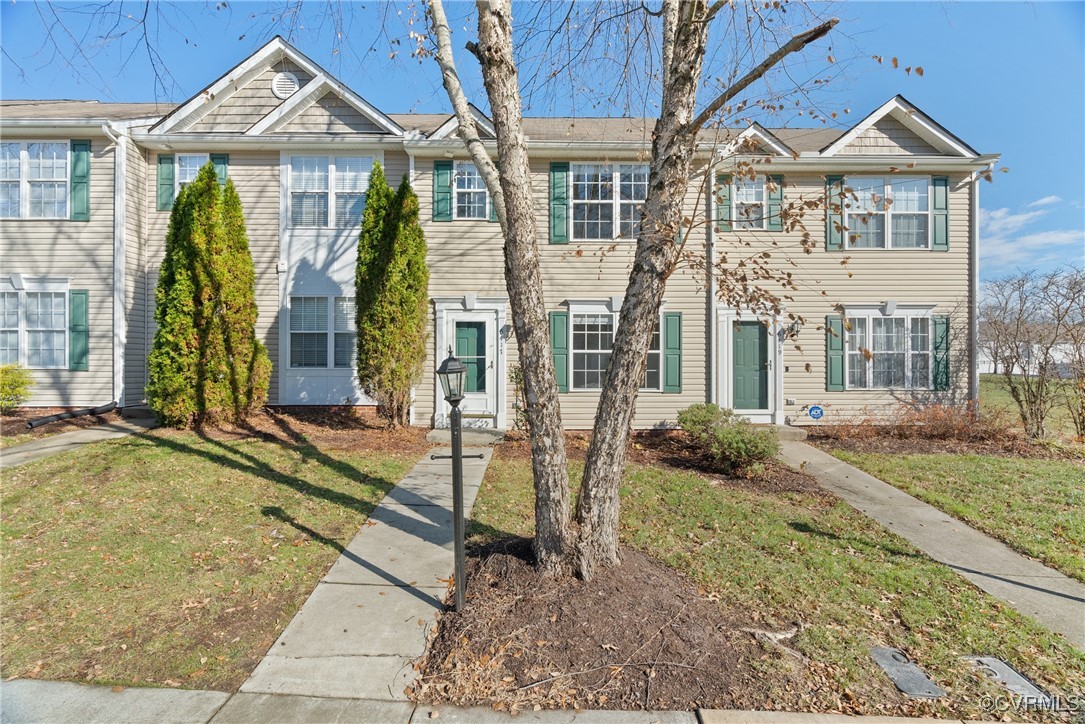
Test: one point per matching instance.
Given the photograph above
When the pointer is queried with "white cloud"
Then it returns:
(1003, 249)
(1045, 201)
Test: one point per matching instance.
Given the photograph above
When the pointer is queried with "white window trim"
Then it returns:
(737, 218)
(888, 214)
(288, 193)
(456, 166)
(24, 181)
(35, 285)
(613, 310)
(905, 312)
(330, 330)
(616, 201)
(177, 169)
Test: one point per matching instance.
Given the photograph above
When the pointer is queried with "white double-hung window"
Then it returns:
(888, 212)
(749, 203)
(889, 352)
(34, 179)
(34, 325)
(472, 199)
(608, 200)
(188, 167)
(322, 332)
(328, 191)
(593, 329)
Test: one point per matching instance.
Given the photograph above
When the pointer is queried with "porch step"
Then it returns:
(472, 436)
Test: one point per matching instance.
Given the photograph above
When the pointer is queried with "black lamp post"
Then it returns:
(451, 373)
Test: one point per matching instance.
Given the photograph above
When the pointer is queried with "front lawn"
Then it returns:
(172, 558)
(1034, 505)
(781, 556)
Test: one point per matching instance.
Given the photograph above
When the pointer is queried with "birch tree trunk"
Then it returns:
(509, 184)
(684, 36)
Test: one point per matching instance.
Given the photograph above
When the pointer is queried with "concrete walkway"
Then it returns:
(68, 441)
(1056, 601)
(367, 621)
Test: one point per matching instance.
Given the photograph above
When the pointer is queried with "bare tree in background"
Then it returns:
(1030, 318)
(1074, 292)
(684, 30)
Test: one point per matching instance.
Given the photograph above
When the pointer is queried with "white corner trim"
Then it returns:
(914, 119)
(120, 242)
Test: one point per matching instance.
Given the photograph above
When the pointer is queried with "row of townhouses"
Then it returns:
(86, 190)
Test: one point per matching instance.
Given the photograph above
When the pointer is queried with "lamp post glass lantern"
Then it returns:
(451, 374)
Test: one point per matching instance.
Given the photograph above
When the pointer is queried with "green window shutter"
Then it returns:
(559, 202)
(941, 352)
(723, 202)
(78, 330)
(834, 353)
(79, 192)
(672, 352)
(442, 191)
(940, 213)
(222, 166)
(834, 217)
(559, 345)
(165, 182)
(775, 194)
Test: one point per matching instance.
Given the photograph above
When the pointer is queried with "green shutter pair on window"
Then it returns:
(672, 350)
(774, 203)
(834, 353)
(443, 195)
(836, 201)
(166, 177)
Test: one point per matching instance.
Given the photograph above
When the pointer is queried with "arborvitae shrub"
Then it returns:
(206, 364)
(392, 293)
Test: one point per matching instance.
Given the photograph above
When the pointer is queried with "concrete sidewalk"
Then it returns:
(367, 621)
(1056, 601)
(68, 441)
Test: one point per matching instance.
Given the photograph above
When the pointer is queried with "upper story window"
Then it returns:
(34, 180)
(188, 167)
(888, 213)
(607, 200)
(889, 352)
(328, 191)
(749, 204)
(472, 198)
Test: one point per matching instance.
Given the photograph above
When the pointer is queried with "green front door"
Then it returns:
(471, 350)
(750, 373)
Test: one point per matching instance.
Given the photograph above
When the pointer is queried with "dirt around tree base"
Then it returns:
(638, 636)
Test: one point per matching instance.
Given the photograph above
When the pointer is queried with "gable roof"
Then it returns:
(482, 122)
(214, 95)
(757, 136)
(915, 120)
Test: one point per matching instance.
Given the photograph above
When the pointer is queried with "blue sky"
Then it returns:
(1007, 77)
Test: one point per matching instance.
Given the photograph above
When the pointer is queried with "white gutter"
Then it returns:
(903, 164)
(120, 223)
(47, 124)
(226, 142)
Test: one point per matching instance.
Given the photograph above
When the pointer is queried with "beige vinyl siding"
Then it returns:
(889, 137)
(331, 114)
(247, 104)
(466, 256)
(82, 251)
(913, 276)
(138, 297)
(256, 176)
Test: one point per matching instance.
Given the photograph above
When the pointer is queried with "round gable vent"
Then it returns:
(284, 84)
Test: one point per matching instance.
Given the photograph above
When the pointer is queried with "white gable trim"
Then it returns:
(309, 94)
(915, 120)
(449, 127)
(760, 133)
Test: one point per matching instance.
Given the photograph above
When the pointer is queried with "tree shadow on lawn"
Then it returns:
(853, 541)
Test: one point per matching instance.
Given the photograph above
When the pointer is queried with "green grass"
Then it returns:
(995, 397)
(1035, 506)
(783, 558)
(172, 559)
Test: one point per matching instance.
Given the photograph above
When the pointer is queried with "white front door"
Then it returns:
(473, 338)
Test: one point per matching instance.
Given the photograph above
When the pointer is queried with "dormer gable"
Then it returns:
(483, 123)
(277, 89)
(898, 128)
(756, 140)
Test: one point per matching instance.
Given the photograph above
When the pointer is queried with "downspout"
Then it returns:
(710, 269)
(411, 420)
(973, 307)
(120, 218)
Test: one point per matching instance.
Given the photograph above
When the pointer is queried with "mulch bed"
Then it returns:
(1008, 445)
(637, 636)
(14, 422)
